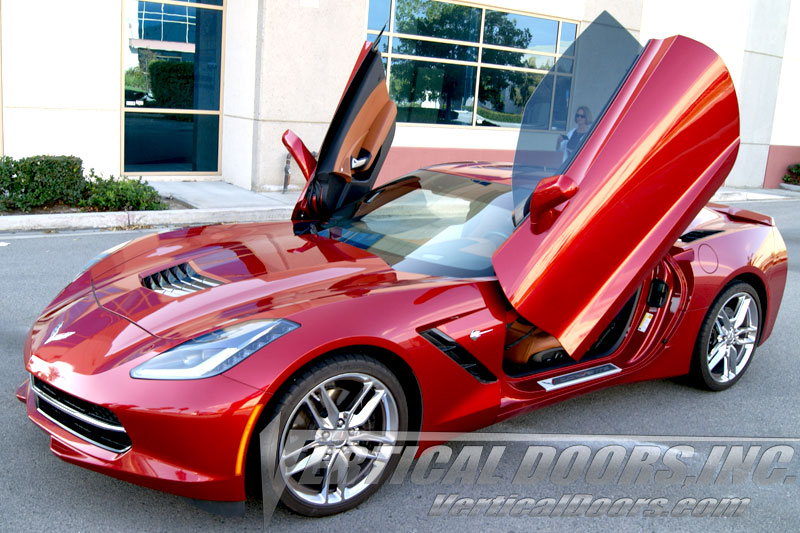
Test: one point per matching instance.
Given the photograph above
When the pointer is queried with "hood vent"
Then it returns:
(178, 280)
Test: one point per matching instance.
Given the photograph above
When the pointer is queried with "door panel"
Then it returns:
(663, 147)
(356, 143)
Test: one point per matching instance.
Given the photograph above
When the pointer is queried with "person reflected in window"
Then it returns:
(573, 140)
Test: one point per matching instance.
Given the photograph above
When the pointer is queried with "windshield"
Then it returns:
(577, 90)
(429, 223)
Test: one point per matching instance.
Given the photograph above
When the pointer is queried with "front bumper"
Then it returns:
(194, 451)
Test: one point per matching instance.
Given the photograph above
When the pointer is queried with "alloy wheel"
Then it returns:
(733, 338)
(338, 440)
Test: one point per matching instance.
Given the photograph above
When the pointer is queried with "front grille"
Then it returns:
(88, 421)
(178, 280)
(89, 409)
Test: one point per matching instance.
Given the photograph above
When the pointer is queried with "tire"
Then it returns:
(331, 462)
(728, 338)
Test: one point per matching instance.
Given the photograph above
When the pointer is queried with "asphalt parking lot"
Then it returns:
(40, 492)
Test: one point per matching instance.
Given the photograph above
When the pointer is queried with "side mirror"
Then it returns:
(549, 193)
(305, 160)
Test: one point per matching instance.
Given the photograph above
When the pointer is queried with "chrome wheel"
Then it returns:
(728, 337)
(733, 337)
(338, 440)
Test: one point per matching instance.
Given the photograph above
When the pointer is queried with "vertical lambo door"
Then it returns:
(358, 138)
(589, 232)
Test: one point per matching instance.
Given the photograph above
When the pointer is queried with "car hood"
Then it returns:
(262, 270)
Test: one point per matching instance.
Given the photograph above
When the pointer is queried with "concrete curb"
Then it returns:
(132, 219)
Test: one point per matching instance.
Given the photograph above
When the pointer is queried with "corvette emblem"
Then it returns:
(56, 336)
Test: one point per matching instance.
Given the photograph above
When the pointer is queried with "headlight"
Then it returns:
(215, 352)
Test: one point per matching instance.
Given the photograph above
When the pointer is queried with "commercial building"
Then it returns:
(203, 89)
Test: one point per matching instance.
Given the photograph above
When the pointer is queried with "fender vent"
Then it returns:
(459, 354)
(178, 280)
(698, 234)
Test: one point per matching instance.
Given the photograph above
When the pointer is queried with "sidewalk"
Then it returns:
(212, 202)
(216, 202)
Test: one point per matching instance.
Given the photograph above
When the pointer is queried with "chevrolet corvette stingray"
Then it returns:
(446, 300)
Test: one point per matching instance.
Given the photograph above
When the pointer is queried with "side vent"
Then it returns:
(698, 234)
(459, 354)
(178, 280)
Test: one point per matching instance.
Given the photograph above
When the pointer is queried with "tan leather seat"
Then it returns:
(524, 341)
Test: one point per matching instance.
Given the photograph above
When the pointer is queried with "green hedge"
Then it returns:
(499, 116)
(7, 181)
(120, 194)
(41, 181)
(45, 181)
(172, 84)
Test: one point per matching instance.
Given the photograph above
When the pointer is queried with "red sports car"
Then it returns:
(446, 300)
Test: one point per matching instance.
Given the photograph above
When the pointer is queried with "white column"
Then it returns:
(297, 56)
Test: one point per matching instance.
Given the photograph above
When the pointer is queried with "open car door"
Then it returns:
(356, 143)
(664, 144)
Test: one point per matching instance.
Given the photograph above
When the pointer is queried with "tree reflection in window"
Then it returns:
(434, 93)
(436, 19)
(435, 70)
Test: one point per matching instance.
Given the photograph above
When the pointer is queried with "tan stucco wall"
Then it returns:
(287, 62)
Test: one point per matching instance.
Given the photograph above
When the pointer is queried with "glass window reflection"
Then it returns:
(513, 55)
(568, 32)
(432, 93)
(520, 31)
(517, 59)
(156, 142)
(437, 19)
(561, 103)
(383, 46)
(378, 14)
(416, 47)
(173, 60)
(502, 95)
(537, 111)
(565, 65)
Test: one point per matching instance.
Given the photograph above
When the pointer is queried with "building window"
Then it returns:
(461, 65)
(172, 86)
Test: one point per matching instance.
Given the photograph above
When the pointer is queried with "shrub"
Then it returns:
(792, 177)
(499, 116)
(120, 194)
(41, 181)
(7, 165)
(44, 180)
(172, 84)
